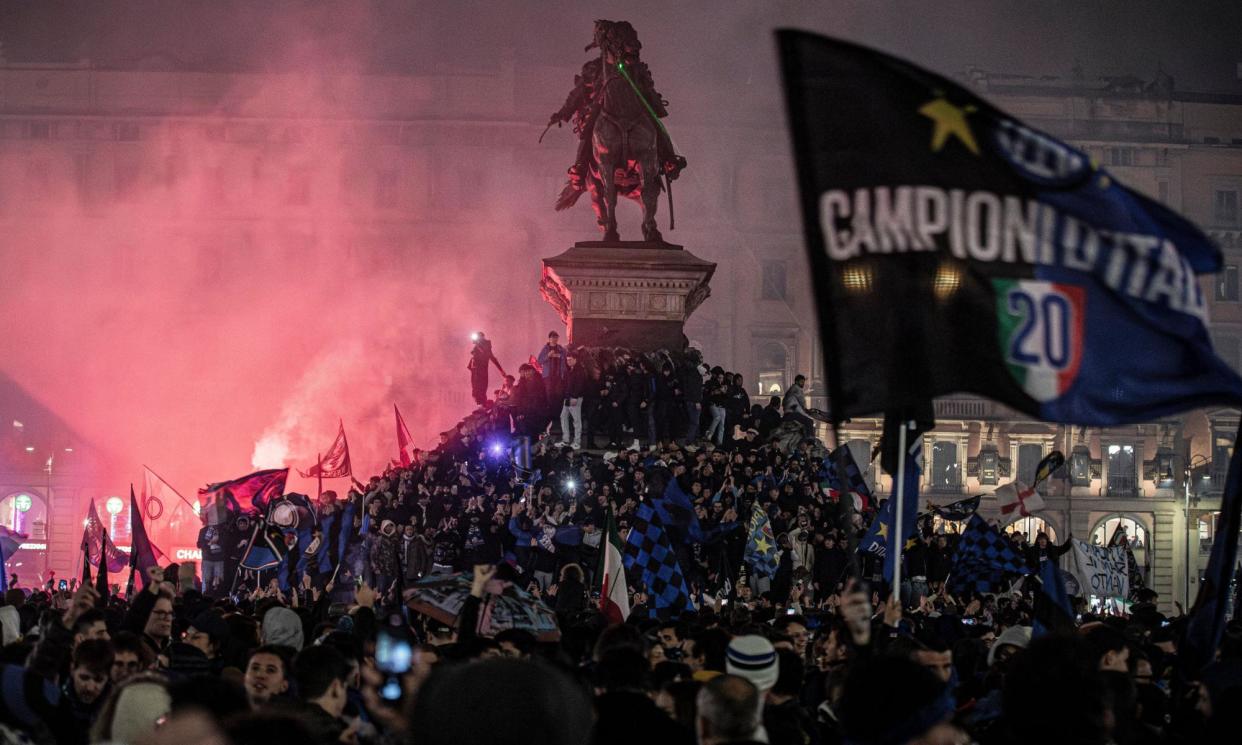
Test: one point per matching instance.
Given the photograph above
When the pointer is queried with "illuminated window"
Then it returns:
(1032, 527)
(946, 472)
(1114, 526)
(1122, 474)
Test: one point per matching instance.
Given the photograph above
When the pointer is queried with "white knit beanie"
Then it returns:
(137, 709)
(1014, 636)
(754, 658)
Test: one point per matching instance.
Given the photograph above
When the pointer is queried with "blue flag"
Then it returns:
(678, 515)
(1207, 615)
(1053, 612)
(761, 546)
(881, 538)
(649, 552)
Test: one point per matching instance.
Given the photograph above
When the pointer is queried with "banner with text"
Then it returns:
(1097, 570)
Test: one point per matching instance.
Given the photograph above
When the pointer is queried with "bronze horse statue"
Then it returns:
(623, 148)
(624, 156)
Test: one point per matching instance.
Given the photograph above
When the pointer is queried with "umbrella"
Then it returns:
(505, 605)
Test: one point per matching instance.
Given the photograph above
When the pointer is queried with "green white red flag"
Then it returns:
(614, 599)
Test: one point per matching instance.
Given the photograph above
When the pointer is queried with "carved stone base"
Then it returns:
(626, 294)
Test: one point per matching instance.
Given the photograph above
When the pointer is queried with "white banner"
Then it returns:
(1098, 570)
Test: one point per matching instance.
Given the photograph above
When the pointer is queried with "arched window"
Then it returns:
(1136, 533)
(24, 512)
(772, 359)
(1031, 527)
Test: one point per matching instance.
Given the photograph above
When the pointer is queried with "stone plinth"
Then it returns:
(626, 294)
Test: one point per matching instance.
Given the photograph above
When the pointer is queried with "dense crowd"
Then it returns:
(518, 491)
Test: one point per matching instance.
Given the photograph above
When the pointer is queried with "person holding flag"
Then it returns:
(614, 601)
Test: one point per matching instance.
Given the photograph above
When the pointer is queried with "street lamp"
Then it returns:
(114, 505)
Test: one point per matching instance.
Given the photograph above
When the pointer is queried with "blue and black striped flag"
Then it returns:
(648, 551)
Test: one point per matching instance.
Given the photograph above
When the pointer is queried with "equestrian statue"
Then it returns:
(623, 147)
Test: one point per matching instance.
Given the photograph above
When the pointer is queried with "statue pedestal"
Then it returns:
(626, 294)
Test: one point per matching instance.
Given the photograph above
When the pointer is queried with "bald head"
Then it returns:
(728, 710)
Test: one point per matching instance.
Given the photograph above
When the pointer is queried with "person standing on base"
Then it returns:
(480, 356)
(575, 387)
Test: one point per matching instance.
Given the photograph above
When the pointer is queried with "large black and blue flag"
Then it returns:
(649, 552)
(1025, 272)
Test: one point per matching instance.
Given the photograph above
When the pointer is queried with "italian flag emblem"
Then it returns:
(614, 601)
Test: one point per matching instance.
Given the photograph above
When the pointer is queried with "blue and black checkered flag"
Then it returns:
(982, 558)
(648, 551)
(842, 473)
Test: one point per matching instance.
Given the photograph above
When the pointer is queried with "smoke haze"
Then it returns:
(200, 318)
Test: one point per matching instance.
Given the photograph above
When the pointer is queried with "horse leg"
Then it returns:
(649, 169)
(605, 138)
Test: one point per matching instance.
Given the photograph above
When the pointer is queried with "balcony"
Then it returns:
(1124, 487)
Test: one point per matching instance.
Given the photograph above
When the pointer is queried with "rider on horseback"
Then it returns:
(616, 40)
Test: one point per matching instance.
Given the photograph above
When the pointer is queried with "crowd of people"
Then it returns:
(518, 492)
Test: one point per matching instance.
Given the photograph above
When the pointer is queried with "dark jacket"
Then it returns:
(628, 717)
(692, 385)
(30, 700)
(576, 381)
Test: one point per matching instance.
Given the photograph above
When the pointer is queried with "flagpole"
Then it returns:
(320, 469)
(900, 497)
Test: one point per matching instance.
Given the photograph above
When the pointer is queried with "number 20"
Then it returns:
(1046, 318)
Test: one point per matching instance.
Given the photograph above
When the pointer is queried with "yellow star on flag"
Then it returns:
(950, 121)
(763, 545)
(883, 531)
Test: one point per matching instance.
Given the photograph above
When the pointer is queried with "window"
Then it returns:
(1031, 527)
(1029, 456)
(945, 471)
(1222, 448)
(989, 465)
(386, 189)
(772, 358)
(1115, 527)
(1227, 284)
(1080, 466)
(1225, 206)
(1119, 156)
(1122, 478)
(773, 280)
